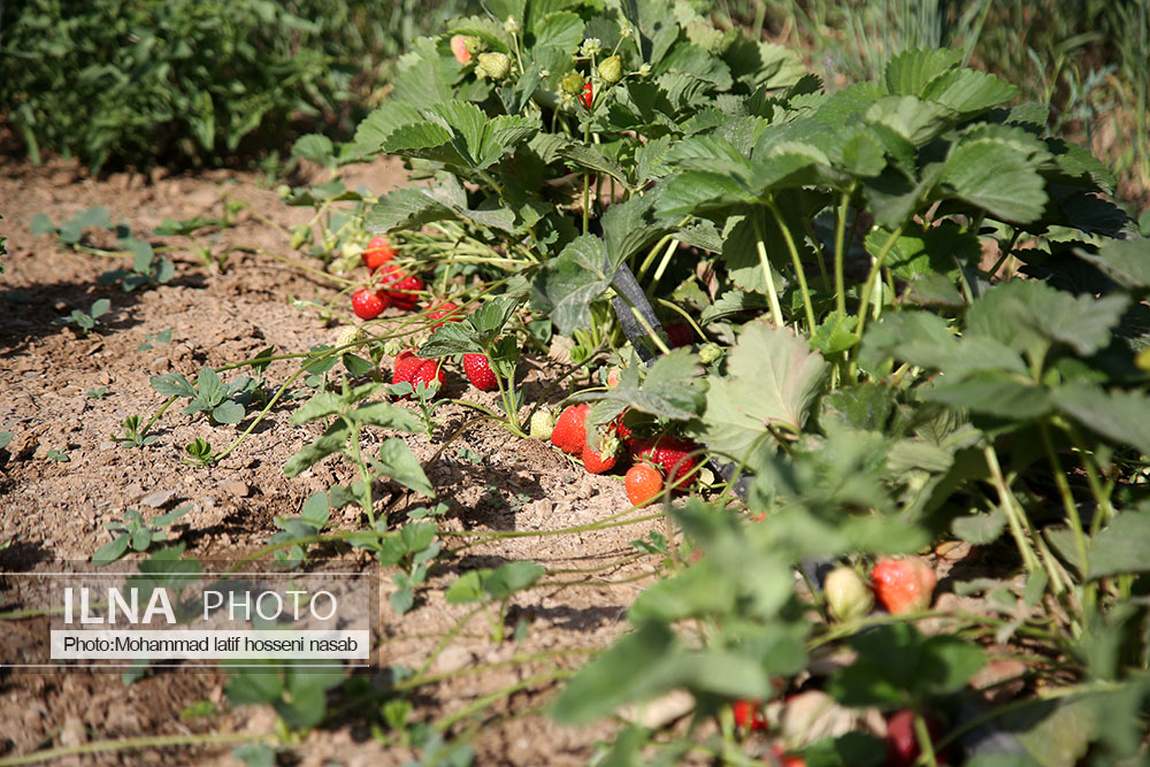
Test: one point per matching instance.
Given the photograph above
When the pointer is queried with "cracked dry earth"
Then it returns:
(63, 392)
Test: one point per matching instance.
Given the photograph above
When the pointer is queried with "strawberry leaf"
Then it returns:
(1117, 415)
(672, 388)
(566, 286)
(994, 176)
(773, 377)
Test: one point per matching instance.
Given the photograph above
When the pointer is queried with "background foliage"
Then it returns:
(139, 82)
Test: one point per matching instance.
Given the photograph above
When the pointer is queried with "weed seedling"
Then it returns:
(200, 452)
(158, 339)
(133, 435)
(137, 533)
(98, 392)
(87, 321)
(59, 456)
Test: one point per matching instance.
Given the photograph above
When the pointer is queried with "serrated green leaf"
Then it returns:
(452, 338)
(1026, 313)
(631, 226)
(321, 405)
(980, 529)
(908, 73)
(112, 551)
(773, 377)
(672, 388)
(997, 178)
(1127, 262)
(424, 139)
(385, 415)
(590, 158)
(355, 365)
(1121, 546)
(467, 587)
(316, 510)
(969, 92)
(305, 704)
(694, 592)
(1123, 416)
(910, 117)
(562, 30)
(412, 208)
(835, 334)
(374, 129)
(41, 224)
(331, 441)
(699, 192)
(254, 686)
(507, 579)
(487, 29)
(863, 154)
(942, 249)
(566, 286)
(209, 387)
(993, 393)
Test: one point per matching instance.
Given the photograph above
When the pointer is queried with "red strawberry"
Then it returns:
(368, 304)
(570, 433)
(902, 747)
(429, 373)
(587, 97)
(903, 585)
(405, 365)
(478, 370)
(643, 482)
(786, 760)
(622, 430)
(448, 311)
(598, 462)
(402, 288)
(749, 714)
(668, 453)
(378, 253)
(679, 334)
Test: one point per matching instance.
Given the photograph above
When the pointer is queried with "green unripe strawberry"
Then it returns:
(495, 65)
(572, 83)
(709, 352)
(611, 70)
(542, 424)
(848, 595)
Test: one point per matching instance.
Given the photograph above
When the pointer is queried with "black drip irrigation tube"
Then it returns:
(985, 738)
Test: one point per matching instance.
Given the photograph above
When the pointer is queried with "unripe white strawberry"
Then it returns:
(848, 596)
(542, 424)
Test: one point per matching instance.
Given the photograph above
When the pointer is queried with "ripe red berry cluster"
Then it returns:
(653, 458)
(395, 286)
(410, 368)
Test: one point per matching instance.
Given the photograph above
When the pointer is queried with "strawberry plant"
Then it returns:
(854, 328)
(918, 310)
